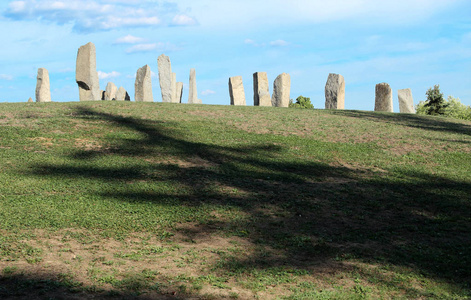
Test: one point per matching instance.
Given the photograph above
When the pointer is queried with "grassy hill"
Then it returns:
(166, 201)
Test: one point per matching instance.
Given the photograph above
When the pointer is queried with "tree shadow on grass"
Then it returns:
(62, 286)
(307, 213)
(448, 125)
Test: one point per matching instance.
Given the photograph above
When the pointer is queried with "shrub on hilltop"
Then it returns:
(301, 102)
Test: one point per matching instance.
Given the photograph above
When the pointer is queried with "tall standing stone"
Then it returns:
(281, 91)
(179, 92)
(335, 92)
(174, 88)
(165, 78)
(406, 102)
(30, 99)
(261, 93)
(383, 98)
(193, 95)
(111, 91)
(43, 89)
(143, 85)
(122, 95)
(236, 90)
(86, 74)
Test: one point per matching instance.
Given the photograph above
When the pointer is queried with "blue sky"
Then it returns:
(406, 43)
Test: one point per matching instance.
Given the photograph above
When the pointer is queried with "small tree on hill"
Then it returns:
(301, 102)
(435, 103)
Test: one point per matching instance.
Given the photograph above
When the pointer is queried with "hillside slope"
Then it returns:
(164, 201)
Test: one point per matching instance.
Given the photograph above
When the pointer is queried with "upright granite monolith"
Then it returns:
(43, 89)
(143, 85)
(179, 92)
(193, 95)
(281, 91)
(30, 100)
(111, 91)
(261, 93)
(165, 78)
(406, 102)
(173, 87)
(86, 74)
(335, 92)
(383, 98)
(122, 95)
(236, 91)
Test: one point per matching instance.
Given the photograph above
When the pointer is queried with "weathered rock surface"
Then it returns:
(30, 99)
(86, 74)
(174, 88)
(261, 93)
(383, 98)
(179, 92)
(122, 95)
(165, 78)
(143, 85)
(193, 94)
(111, 91)
(335, 92)
(281, 91)
(236, 91)
(406, 102)
(43, 89)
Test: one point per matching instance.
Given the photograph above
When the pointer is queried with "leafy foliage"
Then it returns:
(435, 104)
(301, 102)
(452, 108)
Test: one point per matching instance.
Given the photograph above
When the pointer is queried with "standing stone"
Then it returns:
(43, 89)
(261, 93)
(179, 92)
(111, 91)
(143, 85)
(335, 92)
(193, 95)
(384, 98)
(281, 91)
(86, 74)
(406, 102)
(174, 88)
(122, 95)
(165, 78)
(30, 99)
(102, 93)
(236, 90)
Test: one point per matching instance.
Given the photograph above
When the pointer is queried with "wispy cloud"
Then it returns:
(103, 75)
(129, 39)
(94, 15)
(183, 20)
(6, 77)
(279, 43)
(163, 47)
(208, 92)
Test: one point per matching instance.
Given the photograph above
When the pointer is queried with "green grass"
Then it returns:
(233, 202)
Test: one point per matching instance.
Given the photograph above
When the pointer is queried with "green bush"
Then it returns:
(456, 109)
(435, 103)
(301, 102)
(452, 107)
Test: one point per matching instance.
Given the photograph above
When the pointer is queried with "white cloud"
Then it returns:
(103, 75)
(6, 77)
(279, 43)
(208, 92)
(249, 13)
(129, 39)
(162, 47)
(96, 15)
(183, 20)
